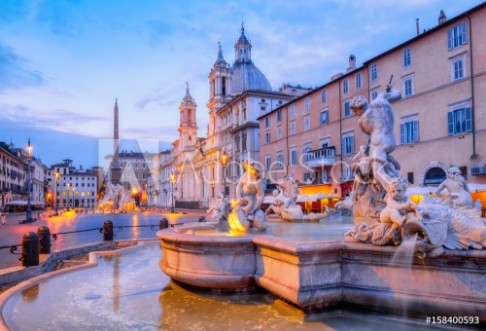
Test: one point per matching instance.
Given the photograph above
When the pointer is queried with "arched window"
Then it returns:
(434, 176)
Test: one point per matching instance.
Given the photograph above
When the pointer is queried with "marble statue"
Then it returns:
(380, 198)
(220, 209)
(458, 190)
(345, 206)
(373, 165)
(285, 205)
(247, 211)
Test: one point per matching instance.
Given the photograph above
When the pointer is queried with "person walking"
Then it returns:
(4, 218)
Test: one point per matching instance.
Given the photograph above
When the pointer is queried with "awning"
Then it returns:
(17, 203)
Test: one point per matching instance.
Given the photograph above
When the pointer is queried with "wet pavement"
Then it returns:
(136, 226)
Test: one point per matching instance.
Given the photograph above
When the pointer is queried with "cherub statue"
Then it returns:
(458, 189)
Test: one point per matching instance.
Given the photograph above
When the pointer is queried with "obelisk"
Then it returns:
(115, 175)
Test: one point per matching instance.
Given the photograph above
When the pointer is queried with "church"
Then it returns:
(202, 168)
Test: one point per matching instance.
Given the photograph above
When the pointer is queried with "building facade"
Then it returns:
(74, 188)
(440, 120)
(13, 177)
(238, 95)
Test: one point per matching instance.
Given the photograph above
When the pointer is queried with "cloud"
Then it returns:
(15, 72)
(60, 120)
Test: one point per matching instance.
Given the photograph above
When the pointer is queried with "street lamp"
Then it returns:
(172, 182)
(72, 187)
(224, 160)
(57, 174)
(29, 210)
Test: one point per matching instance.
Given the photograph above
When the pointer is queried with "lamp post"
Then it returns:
(29, 159)
(172, 182)
(72, 188)
(224, 160)
(57, 174)
(165, 198)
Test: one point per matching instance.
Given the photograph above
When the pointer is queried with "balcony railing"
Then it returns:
(320, 157)
(478, 170)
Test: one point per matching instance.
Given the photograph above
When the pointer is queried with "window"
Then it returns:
(410, 177)
(324, 116)
(324, 96)
(324, 143)
(292, 110)
(409, 131)
(268, 162)
(243, 141)
(267, 122)
(306, 151)
(306, 104)
(407, 58)
(346, 86)
(279, 132)
(457, 36)
(408, 86)
(347, 109)
(374, 72)
(459, 120)
(279, 116)
(293, 156)
(307, 122)
(357, 80)
(373, 94)
(458, 68)
(348, 144)
(292, 128)
(280, 160)
(267, 137)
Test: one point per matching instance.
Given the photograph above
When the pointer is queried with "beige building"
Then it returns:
(440, 120)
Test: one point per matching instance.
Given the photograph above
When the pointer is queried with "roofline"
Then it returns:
(427, 32)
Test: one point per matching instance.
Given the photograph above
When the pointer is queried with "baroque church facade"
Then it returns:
(238, 95)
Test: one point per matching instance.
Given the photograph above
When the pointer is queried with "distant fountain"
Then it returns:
(117, 199)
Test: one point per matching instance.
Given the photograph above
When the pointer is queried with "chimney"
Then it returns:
(417, 25)
(352, 63)
(442, 17)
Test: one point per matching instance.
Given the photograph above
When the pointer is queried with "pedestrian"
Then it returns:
(4, 218)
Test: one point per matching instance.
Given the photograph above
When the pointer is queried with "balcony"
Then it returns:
(320, 157)
(478, 170)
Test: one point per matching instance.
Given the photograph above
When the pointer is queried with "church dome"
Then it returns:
(246, 76)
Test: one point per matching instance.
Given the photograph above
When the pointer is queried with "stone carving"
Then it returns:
(116, 199)
(285, 204)
(373, 165)
(380, 191)
(247, 211)
(220, 209)
(345, 206)
(457, 188)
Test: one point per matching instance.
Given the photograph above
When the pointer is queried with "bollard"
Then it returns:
(44, 235)
(30, 249)
(108, 230)
(164, 224)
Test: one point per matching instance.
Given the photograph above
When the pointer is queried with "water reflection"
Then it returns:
(130, 292)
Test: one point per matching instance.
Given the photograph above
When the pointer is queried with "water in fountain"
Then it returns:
(128, 292)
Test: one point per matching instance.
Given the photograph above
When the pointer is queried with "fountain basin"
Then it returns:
(312, 275)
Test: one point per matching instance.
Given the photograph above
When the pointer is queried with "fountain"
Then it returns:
(443, 277)
(116, 199)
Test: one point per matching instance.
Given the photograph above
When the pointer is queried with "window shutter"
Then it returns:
(415, 131)
(352, 144)
(463, 33)
(468, 119)
(449, 38)
(402, 133)
(450, 123)
(343, 146)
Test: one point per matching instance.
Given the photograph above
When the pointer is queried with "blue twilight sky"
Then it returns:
(63, 62)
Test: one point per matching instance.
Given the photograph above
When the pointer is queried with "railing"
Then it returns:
(320, 157)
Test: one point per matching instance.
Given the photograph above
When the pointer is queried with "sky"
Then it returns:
(64, 62)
